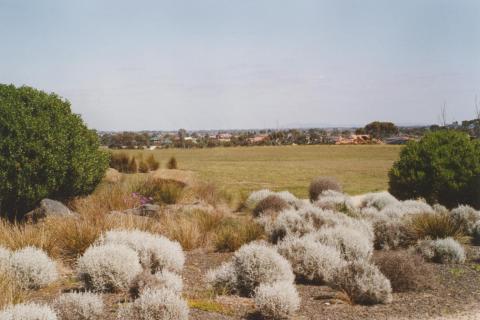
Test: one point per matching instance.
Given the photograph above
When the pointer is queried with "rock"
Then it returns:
(50, 208)
(147, 210)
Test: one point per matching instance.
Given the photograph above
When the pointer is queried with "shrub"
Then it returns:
(143, 167)
(465, 217)
(476, 233)
(378, 200)
(47, 151)
(255, 197)
(110, 267)
(271, 204)
(223, 279)
(155, 252)
(443, 167)
(253, 264)
(288, 222)
(352, 244)
(310, 260)
(406, 208)
(160, 190)
(404, 270)
(161, 304)
(172, 163)
(278, 300)
(152, 163)
(321, 184)
(364, 283)
(256, 263)
(336, 201)
(160, 280)
(289, 198)
(434, 226)
(79, 306)
(442, 250)
(28, 311)
(390, 234)
(120, 161)
(32, 268)
(132, 166)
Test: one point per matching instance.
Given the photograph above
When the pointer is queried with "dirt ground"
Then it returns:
(455, 294)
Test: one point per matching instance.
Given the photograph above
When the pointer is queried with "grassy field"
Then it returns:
(359, 168)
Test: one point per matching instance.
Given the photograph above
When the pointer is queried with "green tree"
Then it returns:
(45, 150)
(379, 129)
(443, 167)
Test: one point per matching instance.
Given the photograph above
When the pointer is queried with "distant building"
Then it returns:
(398, 140)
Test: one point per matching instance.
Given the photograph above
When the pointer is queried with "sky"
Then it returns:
(224, 64)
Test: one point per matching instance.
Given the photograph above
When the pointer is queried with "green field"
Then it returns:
(359, 168)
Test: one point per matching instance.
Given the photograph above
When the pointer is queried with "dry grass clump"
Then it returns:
(155, 252)
(160, 190)
(156, 304)
(106, 268)
(405, 271)
(321, 184)
(28, 311)
(10, 289)
(32, 268)
(278, 300)
(434, 226)
(172, 163)
(79, 306)
(271, 204)
(364, 283)
(442, 250)
(251, 265)
(311, 260)
(233, 233)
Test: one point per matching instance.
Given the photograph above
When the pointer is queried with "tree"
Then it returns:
(46, 150)
(379, 129)
(443, 167)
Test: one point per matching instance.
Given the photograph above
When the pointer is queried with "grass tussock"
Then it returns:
(11, 291)
(209, 305)
(233, 233)
(160, 190)
(434, 226)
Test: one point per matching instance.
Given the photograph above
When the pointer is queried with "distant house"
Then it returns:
(258, 138)
(224, 137)
(156, 140)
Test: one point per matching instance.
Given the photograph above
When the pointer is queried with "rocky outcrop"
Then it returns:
(49, 208)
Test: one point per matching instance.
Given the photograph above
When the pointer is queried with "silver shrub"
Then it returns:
(336, 201)
(255, 197)
(288, 222)
(28, 311)
(250, 266)
(290, 199)
(442, 250)
(223, 279)
(155, 252)
(390, 233)
(277, 300)
(109, 267)
(466, 217)
(476, 233)
(311, 260)
(256, 263)
(364, 283)
(351, 243)
(79, 306)
(378, 200)
(32, 268)
(156, 304)
(408, 207)
(170, 281)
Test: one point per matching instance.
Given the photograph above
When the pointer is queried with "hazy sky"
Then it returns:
(204, 64)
